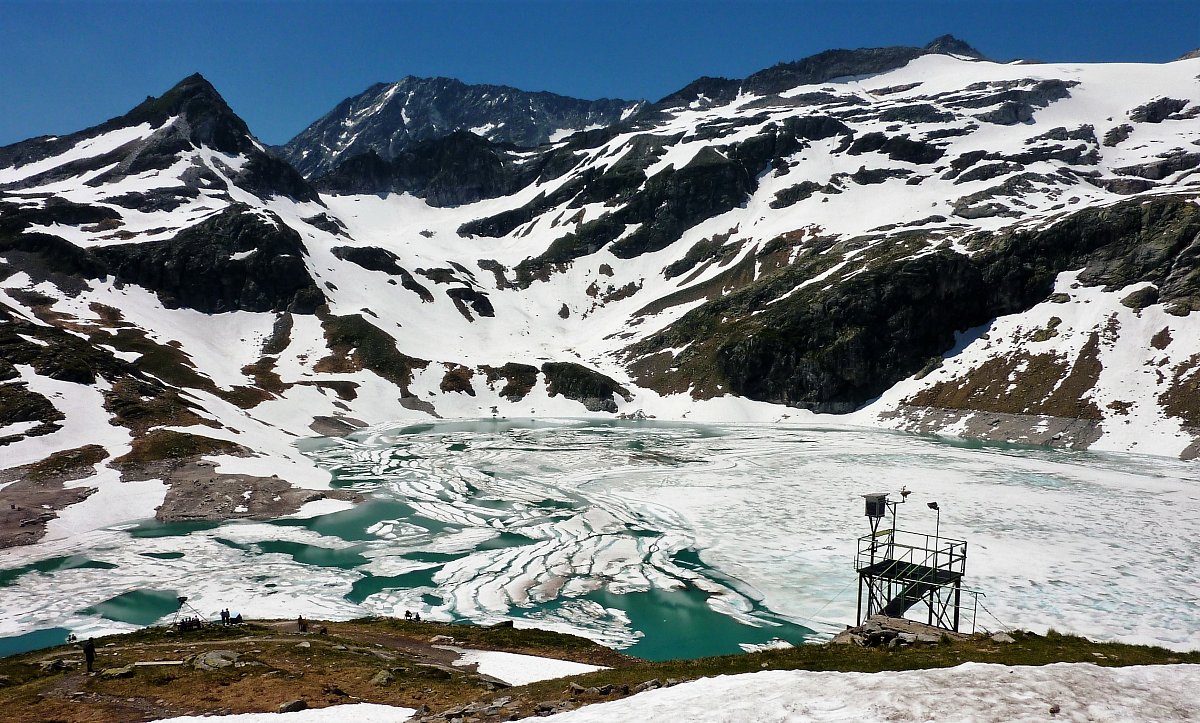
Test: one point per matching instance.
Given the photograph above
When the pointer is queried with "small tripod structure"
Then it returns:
(899, 570)
(186, 617)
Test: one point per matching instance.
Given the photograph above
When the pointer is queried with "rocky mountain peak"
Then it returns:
(184, 123)
(950, 45)
(389, 117)
(210, 121)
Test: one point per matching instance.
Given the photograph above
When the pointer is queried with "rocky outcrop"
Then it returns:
(833, 347)
(236, 260)
(1157, 111)
(468, 300)
(898, 148)
(518, 379)
(371, 258)
(452, 170)
(594, 390)
(355, 343)
(1166, 165)
(43, 256)
(794, 194)
(14, 218)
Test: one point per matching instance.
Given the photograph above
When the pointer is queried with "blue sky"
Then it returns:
(69, 64)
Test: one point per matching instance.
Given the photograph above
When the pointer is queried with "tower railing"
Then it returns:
(943, 554)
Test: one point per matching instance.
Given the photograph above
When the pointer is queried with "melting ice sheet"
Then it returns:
(664, 539)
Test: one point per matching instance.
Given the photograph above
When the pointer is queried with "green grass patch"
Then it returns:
(161, 444)
(1028, 649)
(66, 463)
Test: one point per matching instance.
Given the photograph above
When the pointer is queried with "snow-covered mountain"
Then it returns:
(935, 243)
(387, 118)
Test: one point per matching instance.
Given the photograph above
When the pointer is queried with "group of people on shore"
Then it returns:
(229, 619)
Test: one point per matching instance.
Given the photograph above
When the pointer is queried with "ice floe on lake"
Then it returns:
(638, 534)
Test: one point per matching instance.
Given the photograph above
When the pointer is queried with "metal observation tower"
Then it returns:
(899, 570)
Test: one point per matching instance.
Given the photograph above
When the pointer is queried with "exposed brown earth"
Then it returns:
(257, 667)
(1182, 398)
(197, 492)
(1023, 384)
(335, 426)
(159, 672)
(36, 492)
(1066, 432)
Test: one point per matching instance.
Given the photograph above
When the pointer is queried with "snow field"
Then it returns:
(354, 713)
(969, 693)
(516, 669)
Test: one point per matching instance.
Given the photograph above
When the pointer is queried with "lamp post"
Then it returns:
(936, 530)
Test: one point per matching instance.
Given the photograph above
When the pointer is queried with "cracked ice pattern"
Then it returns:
(563, 524)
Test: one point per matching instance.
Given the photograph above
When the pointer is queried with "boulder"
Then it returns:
(53, 666)
(113, 673)
(383, 677)
(292, 706)
(215, 659)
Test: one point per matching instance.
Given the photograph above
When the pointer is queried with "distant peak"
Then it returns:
(949, 44)
(212, 122)
(193, 85)
(191, 88)
(428, 80)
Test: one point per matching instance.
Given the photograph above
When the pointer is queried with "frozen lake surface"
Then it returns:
(663, 539)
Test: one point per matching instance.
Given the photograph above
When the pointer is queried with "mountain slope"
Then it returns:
(948, 245)
(389, 117)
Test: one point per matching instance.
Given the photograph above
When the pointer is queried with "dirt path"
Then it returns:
(421, 650)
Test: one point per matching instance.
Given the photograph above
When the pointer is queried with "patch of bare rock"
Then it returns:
(197, 492)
